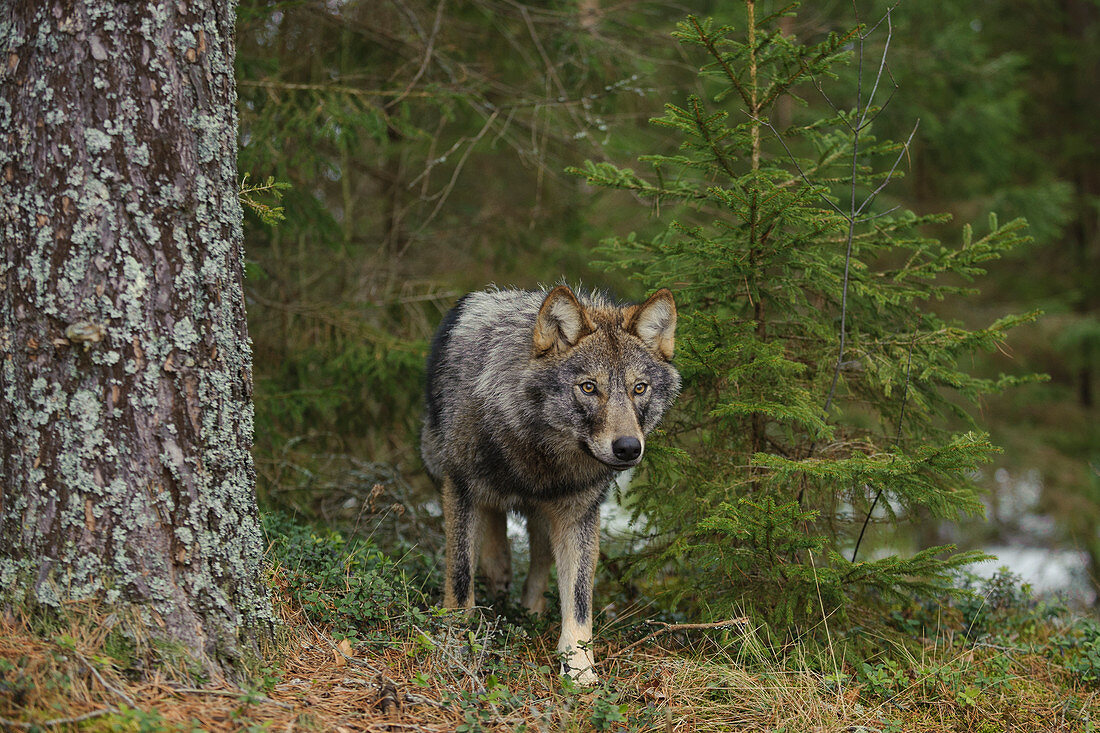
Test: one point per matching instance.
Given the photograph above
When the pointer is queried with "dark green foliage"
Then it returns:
(1078, 650)
(423, 143)
(998, 606)
(607, 712)
(820, 383)
(1006, 92)
(407, 192)
(349, 586)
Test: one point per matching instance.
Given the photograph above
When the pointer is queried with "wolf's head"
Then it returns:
(605, 371)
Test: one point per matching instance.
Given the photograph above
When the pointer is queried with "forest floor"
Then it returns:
(358, 650)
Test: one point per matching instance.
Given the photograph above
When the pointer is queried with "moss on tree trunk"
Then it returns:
(125, 385)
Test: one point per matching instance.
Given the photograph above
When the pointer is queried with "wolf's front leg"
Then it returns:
(460, 520)
(575, 539)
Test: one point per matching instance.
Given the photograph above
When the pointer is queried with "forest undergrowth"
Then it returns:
(814, 375)
(362, 647)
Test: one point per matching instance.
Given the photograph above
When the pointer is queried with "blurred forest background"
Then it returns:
(426, 146)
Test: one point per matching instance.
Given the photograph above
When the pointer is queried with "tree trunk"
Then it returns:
(125, 386)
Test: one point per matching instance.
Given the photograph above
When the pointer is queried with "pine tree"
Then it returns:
(821, 385)
(126, 474)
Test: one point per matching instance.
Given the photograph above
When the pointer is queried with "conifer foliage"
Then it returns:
(821, 387)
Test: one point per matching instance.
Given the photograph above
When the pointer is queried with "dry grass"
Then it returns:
(70, 682)
(324, 687)
(488, 675)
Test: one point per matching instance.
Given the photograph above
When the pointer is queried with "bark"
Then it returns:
(125, 386)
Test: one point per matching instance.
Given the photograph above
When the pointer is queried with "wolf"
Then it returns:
(535, 401)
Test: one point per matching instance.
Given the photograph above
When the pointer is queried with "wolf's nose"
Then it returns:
(626, 448)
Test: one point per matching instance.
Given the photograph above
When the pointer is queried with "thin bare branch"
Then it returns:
(445, 192)
(859, 73)
(668, 628)
(879, 215)
(836, 110)
(889, 10)
(890, 174)
(129, 700)
(881, 66)
(428, 51)
(854, 211)
(273, 85)
(889, 99)
(236, 694)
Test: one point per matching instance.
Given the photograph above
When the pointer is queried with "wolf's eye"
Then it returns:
(640, 388)
(588, 387)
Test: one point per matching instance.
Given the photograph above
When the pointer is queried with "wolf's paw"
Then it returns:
(579, 665)
(584, 677)
(577, 661)
(535, 603)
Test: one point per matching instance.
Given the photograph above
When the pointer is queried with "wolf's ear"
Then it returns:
(654, 322)
(561, 322)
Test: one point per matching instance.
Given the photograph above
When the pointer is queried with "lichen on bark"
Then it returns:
(125, 382)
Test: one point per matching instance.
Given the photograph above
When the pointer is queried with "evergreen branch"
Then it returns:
(922, 573)
(962, 260)
(704, 133)
(709, 44)
(606, 174)
(798, 413)
(798, 167)
(270, 215)
(778, 88)
(786, 11)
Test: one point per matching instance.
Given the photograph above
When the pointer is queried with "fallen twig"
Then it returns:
(58, 721)
(129, 700)
(232, 693)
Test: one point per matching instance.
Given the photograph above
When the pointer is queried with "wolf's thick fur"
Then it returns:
(535, 400)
